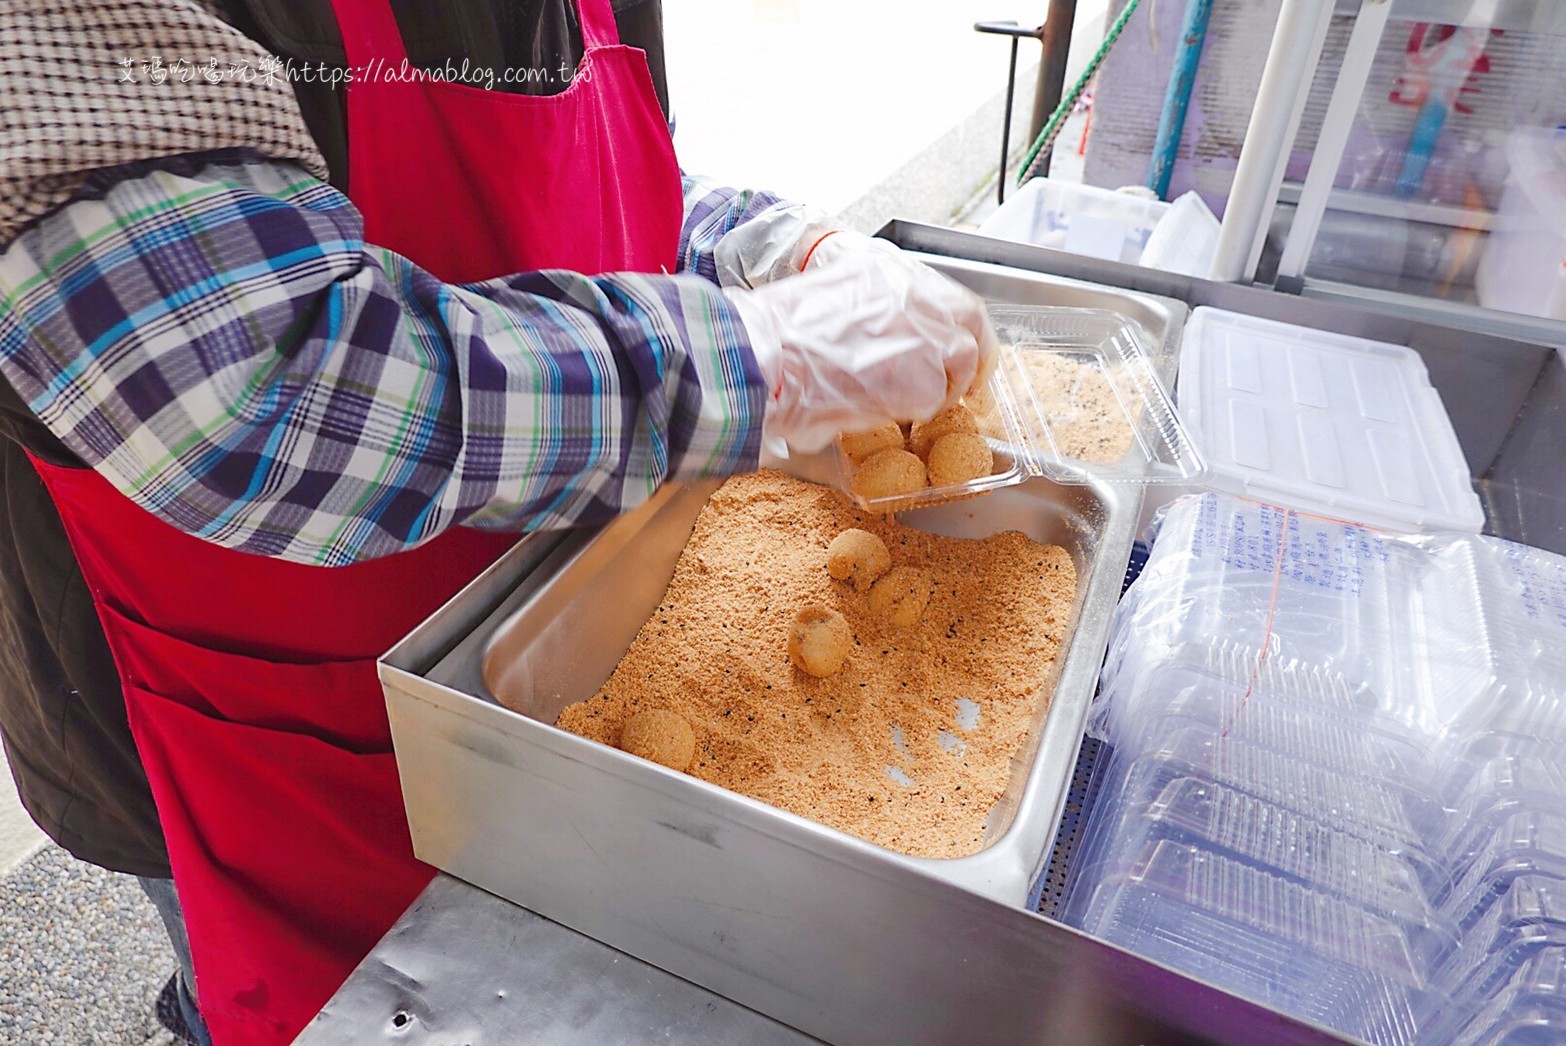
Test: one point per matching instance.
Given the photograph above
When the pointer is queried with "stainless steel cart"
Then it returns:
(828, 935)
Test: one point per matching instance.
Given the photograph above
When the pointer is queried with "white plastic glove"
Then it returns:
(856, 342)
(781, 240)
(769, 246)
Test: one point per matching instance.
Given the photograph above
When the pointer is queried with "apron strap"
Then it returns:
(370, 32)
(598, 28)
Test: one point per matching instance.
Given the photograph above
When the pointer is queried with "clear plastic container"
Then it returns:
(1528, 1009)
(1323, 735)
(1378, 811)
(1285, 945)
(1074, 397)
(1525, 923)
(1389, 877)
(1524, 592)
(1278, 599)
(1531, 843)
(1508, 718)
(1091, 399)
(1493, 621)
(1004, 435)
(1505, 784)
(1326, 423)
(1166, 699)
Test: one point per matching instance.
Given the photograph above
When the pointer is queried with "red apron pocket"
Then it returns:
(298, 838)
(339, 701)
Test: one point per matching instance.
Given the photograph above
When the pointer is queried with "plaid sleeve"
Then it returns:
(229, 353)
(710, 212)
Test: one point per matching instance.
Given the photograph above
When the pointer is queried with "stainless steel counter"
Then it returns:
(464, 968)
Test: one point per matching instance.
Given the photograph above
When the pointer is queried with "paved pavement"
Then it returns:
(82, 956)
(19, 837)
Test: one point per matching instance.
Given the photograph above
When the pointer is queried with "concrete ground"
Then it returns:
(19, 837)
(864, 108)
(82, 956)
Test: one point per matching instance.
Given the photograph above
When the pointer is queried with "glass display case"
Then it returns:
(1437, 169)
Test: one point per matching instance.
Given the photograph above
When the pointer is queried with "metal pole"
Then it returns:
(1016, 32)
(1011, 89)
(1284, 82)
(1335, 128)
(1177, 96)
(1052, 67)
(1315, 47)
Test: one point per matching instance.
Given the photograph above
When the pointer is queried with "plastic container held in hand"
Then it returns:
(1074, 397)
(1089, 400)
(1339, 426)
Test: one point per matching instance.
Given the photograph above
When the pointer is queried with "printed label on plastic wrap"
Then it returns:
(1222, 698)
(1316, 552)
(1543, 581)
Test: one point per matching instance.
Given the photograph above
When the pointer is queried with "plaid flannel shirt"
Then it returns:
(220, 343)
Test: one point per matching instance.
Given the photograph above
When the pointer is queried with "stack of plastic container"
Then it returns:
(1338, 774)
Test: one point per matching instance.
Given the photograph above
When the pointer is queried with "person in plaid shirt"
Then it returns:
(191, 310)
(216, 337)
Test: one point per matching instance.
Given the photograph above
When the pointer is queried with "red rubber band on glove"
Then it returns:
(806, 263)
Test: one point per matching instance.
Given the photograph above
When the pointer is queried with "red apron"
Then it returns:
(251, 682)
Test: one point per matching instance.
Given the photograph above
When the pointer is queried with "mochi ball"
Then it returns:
(858, 556)
(819, 641)
(660, 735)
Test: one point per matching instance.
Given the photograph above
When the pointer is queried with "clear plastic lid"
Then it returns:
(1387, 876)
(1341, 426)
(1074, 397)
(1265, 937)
(1089, 399)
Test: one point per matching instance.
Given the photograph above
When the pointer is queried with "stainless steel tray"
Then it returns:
(766, 908)
(828, 933)
(536, 662)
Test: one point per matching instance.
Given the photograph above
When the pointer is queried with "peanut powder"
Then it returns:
(1081, 407)
(910, 744)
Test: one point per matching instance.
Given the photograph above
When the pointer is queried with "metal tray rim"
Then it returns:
(1004, 868)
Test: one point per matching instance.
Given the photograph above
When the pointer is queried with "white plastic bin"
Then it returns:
(1082, 219)
(1524, 263)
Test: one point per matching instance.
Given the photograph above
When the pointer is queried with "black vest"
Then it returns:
(62, 715)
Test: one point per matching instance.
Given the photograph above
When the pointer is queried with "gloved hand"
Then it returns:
(856, 342)
(783, 239)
